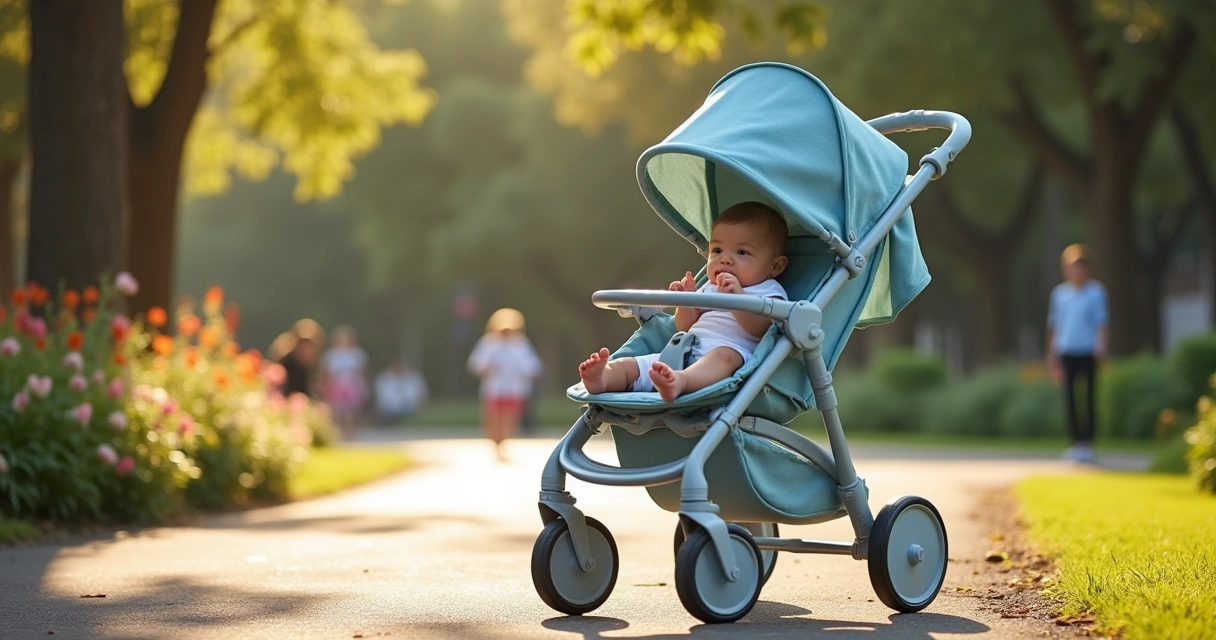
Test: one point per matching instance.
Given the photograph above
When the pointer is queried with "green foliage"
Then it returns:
(974, 406)
(1171, 457)
(907, 371)
(1201, 457)
(1133, 393)
(1194, 362)
(1034, 410)
(17, 531)
(867, 406)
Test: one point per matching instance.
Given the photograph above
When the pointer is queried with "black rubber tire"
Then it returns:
(542, 576)
(879, 567)
(768, 570)
(686, 575)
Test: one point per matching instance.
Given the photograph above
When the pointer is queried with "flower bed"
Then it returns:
(108, 419)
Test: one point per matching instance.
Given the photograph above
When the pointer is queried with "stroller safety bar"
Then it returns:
(625, 298)
(920, 120)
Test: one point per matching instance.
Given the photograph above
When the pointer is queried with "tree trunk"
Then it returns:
(158, 138)
(9, 169)
(996, 314)
(78, 131)
(1109, 211)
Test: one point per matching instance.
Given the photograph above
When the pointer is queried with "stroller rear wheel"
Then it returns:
(560, 581)
(908, 554)
(768, 557)
(704, 591)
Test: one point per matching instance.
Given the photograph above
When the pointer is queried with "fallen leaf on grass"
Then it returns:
(100, 595)
(963, 589)
(997, 556)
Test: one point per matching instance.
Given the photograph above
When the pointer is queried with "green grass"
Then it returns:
(331, 469)
(1138, 551)
(17, 531)
(551, 411)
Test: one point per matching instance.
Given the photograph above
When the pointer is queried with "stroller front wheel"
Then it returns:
(559, 580)
(704, 591)
(767, 557)
(908, 554)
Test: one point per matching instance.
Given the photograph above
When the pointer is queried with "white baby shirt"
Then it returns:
(716, 328)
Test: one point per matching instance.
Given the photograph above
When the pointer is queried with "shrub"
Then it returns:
(975, 406)
(1194, 362)
(866, 406)
(1201, 457)
(1171, 457)
(1132, 394)
(907, 372)
(1034, 410)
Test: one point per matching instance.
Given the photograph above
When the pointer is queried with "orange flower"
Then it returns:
(18, 297)
(188, 325)
(231, 349)
(256, 356)
(40, 344)
(89, 314)
(157, 317)
(191, 357)
(37, 294)
(71, 299)
(119, 358)
(221, 379)
(209, 337)
(214, 298)
(233, 317)
(90, 295)
(245, 367)
(75, 341)
(162, 344)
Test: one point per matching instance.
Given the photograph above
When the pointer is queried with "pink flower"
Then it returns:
(74, 360)
(186, 426)
(117, 420)
(99, 378)
(40, 385)
(20, 401)
(124, 466)
(10, 347)
(3, 464)
(115, 388)
(22, 320)
(119, 325)
(107, 454)
(37, 327)
(298, 402)
(82, 413)
(170, 407)
(126, 284)
(78, 383)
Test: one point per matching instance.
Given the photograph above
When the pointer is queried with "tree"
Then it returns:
(78, 194)
(237, 87)
(14, 56)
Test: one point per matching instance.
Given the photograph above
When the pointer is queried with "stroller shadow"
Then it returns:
(778, 620)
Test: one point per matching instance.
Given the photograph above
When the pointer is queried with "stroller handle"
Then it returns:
(625, 298)
(921, 120)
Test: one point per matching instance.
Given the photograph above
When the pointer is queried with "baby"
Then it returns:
(746, 251)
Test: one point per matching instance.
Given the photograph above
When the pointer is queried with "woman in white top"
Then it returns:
(343, 371)
(506, 363)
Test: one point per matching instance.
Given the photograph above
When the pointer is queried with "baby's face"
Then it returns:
(743, 251)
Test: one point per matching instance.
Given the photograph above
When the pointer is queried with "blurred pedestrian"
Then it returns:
(507, 365)
(400, 392)
(1076, 344)
(299, 361)
(343, 372)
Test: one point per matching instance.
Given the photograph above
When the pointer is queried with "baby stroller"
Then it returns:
(720, 457)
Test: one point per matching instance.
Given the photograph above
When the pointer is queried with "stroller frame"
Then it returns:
(800, 322)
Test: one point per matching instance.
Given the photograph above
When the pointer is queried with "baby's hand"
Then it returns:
(687, 283)
(728, 283)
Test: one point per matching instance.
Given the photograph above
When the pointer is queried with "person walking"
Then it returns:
(507, 364)
(344, 368)
(1076, 345)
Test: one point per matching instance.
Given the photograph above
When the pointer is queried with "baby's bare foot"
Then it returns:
(591, 371)
(670, 384)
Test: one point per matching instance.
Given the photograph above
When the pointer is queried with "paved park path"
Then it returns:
(442, 551)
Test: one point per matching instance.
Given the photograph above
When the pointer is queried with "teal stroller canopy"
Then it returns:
(773, 133)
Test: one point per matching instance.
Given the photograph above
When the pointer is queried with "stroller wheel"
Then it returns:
(767, 557)
(560, 581)
(704, 591)
(908, 554)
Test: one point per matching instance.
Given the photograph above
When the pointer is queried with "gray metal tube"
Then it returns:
(553, 477)
(940, 157)
(624, 298)
(693, 487)
(805, 546)
(577, 464)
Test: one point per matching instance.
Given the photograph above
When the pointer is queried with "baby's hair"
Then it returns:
(758, 213)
